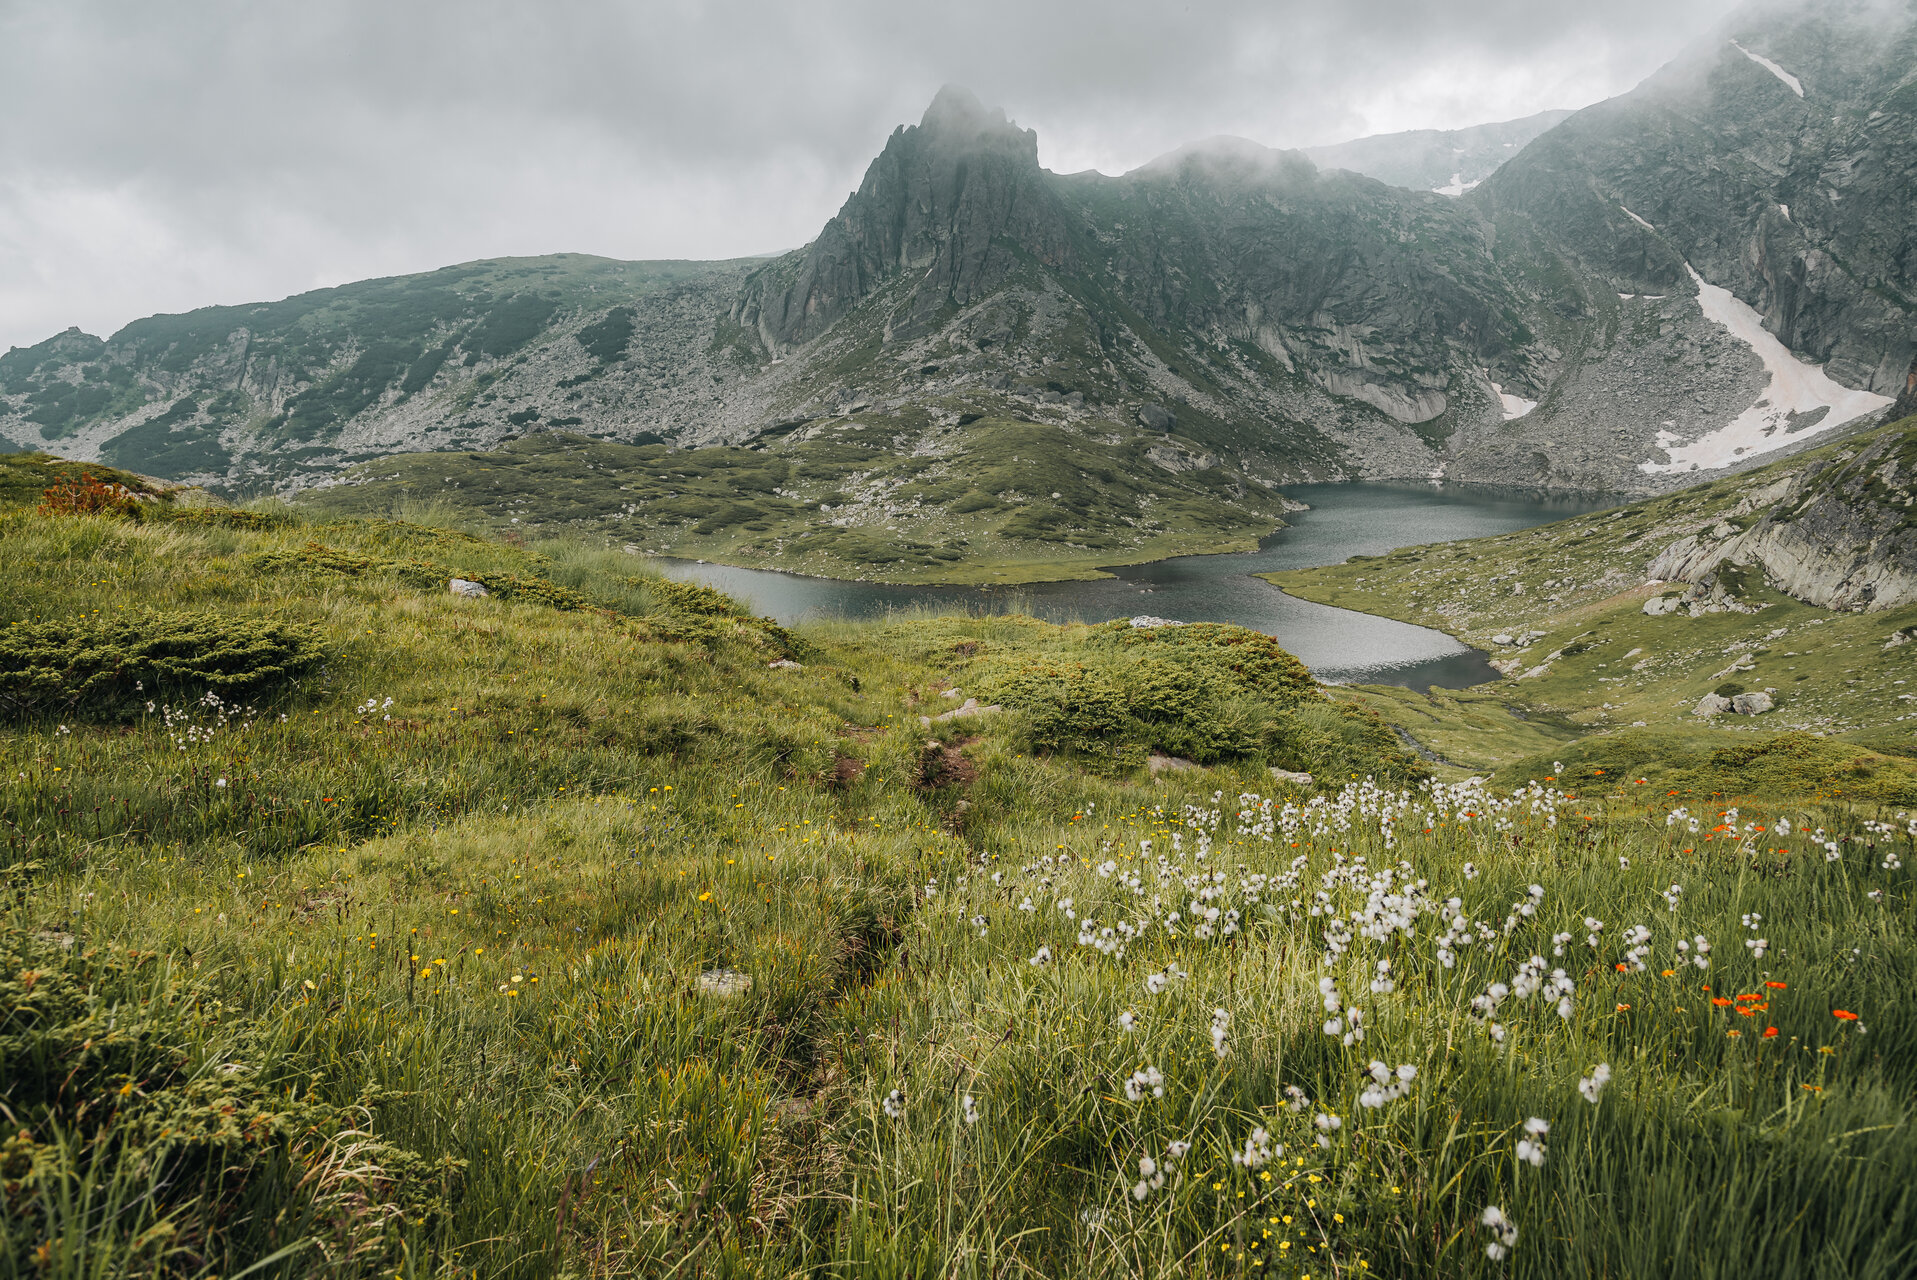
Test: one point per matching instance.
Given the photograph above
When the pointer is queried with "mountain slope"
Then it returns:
(1626, 301)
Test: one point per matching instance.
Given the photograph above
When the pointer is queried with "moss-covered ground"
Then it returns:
(881, 497)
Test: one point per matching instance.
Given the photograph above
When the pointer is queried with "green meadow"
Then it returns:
(594, 927)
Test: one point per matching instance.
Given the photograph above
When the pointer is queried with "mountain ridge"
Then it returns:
(1293, 322)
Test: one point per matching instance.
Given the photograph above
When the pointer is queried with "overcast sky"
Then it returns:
(162, 156)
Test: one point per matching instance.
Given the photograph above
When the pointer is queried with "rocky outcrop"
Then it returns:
(1840, 533)
(952, 205)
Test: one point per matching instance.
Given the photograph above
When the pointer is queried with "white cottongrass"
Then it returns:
(1593, 1085)
(894, 1105)
(1139, 1083)
(1506, 1230)
(1531, 1148)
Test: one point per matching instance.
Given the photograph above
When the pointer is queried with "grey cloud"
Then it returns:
(159, 157)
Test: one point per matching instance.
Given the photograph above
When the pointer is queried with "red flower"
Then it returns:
(1770, 1032)
(1777, 986)
(1843, 1015)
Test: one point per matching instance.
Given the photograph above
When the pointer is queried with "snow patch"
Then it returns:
(1457, 186)
(1794, 388)
(1771, 67)
(1785, 210)
(1513, 406)
(1634, 218)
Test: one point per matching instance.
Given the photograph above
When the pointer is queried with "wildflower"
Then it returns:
(1257, 1151)
(1470, 871)
(1127, 1022)
(1843, 1015)
(1327, 1125)
(1507, 1233)
(1593, 1085)
(1531, 1148)
(1150, 1178)
(1155, 983)
(1220, 1019)
(1139, 1083)
(894, 1104)
(968, 1108)
(1042, 958)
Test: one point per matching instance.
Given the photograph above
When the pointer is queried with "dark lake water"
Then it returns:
(1337, 644)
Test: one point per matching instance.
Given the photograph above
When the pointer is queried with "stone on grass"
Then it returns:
(724, 983)
(1752, 704)
(966, 712)
(1300, 779)
(1711, 704)
(1658, 606)
(1147, 620)
(785, 664)
(1159, 763)
(472, 590)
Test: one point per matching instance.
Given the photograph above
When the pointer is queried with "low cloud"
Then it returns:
(161, 157)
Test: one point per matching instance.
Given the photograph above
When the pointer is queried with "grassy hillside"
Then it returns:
(889, 498)
(354, 928)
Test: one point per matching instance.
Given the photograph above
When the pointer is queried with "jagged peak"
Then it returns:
(956, 109)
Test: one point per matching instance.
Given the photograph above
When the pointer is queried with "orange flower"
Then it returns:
(1622, 967)
(1749, 995)
(1843, 1015)
(1720, 1001)
(1621, 1008)
(1777, 986)
(1770, 1033)
(1733, 1034)
(1747, 1013)
(1670, 973)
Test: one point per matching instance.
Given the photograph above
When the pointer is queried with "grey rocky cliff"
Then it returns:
(1841, 532)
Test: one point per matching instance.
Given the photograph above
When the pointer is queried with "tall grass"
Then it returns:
(590, 960)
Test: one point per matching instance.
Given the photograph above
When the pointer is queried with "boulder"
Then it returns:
(1658, 606)
(1147, 620)
(1502, 638)
(1157, 417)
(785, 664)
(1711, 704)
(966, 712)
(1161, 763)
(1752, 704)
(1299, 779)
(471, 590)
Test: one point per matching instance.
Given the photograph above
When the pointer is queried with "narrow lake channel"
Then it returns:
(1337, 644)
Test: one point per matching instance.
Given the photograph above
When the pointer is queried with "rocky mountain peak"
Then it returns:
(956, 116)
(940, 207)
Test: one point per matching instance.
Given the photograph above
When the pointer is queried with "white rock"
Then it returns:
(1752, 704)
(1502, 638)
(724, 982)
(1286, 775)
(1711, 704)
(966, 712)
(785, 664)
(472, 590)
(1147, 620)
(1161, 763)
(1658, 606)
(1897, 638)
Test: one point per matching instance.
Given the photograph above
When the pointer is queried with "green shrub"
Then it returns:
(107, 666)
(1208, 692)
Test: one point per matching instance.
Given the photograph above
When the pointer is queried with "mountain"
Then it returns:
(1706, 271)
(1447, 161)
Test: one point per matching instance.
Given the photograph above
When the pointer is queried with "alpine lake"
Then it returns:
(1339, 645)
